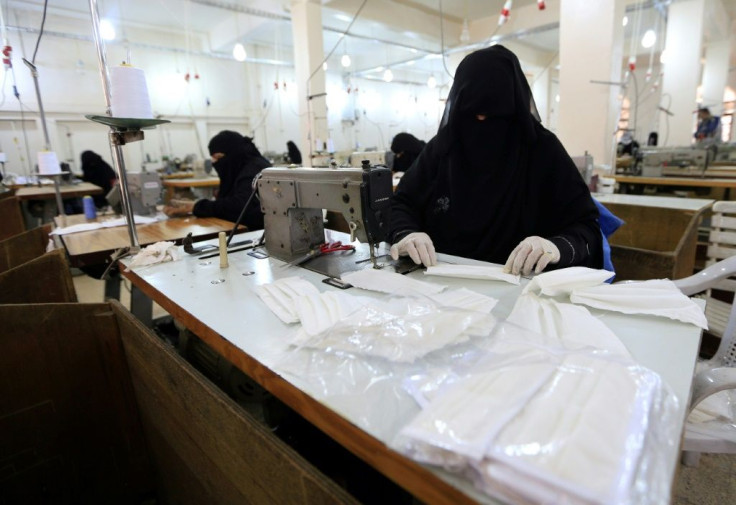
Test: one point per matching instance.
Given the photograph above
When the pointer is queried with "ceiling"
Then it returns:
(407, 35)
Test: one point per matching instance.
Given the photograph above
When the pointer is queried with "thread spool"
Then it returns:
(223, 249)
(129, 93)
(90, 212)
(48, 163)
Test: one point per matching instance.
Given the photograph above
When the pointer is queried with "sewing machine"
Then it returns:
(675, 161)
(292, 201)
(144, 189)
(384, 158)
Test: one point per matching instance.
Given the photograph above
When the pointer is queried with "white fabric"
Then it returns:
(565, 280)
(532, 254)
(657, 297)
(401, 330)
(159, 252)
(318, 311)
(571, 431)
(418, 246)
(280, 296)
(384, 281)
(112, 223)
(491, 273)
(572, 325)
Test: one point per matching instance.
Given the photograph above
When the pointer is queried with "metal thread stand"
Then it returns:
(117, 137)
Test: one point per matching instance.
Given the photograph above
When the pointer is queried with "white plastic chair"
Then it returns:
(715, 375)
(721, 245)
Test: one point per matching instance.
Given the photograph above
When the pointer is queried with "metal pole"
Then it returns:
(47, 140)
(115, 149)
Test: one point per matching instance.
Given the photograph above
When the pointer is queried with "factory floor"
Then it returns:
(712, 482)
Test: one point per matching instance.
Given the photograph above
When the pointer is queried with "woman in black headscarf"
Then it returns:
(406, 148)
(494, 184)
(99, 173)
(237, 161)
(295, 156)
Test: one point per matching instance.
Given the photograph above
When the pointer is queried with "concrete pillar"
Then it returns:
(588, 112)
(715, 75)
(306, 27)
(682, 70)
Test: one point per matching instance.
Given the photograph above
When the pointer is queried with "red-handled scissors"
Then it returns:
(325, 248)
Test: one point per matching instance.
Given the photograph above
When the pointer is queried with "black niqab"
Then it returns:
(295, 156)
(241, 162)
(407, 148)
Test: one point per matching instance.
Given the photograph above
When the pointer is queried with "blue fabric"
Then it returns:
(609, 223)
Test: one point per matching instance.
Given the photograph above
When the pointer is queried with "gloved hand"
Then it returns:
(418, 246)
(530, 252)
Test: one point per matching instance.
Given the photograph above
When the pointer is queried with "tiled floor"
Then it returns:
(712, 482)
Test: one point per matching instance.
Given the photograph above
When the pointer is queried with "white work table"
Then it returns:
(236, 323)
(665, 202)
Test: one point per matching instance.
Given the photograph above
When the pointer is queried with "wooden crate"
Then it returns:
(654, 242)
(94, 408)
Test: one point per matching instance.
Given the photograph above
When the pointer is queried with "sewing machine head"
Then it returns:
(292, 201)
(144, 189)
(677, 161)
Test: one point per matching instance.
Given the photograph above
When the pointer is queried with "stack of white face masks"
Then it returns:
(548, 426)
(482, 272)
(400, 329)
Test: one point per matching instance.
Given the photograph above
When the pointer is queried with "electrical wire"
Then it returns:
(40, 32)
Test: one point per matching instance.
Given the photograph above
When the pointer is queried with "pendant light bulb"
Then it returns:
(107, 30)
(388, 76)
(432, 82)
(345, 60)
(239, 52)
(465, 33)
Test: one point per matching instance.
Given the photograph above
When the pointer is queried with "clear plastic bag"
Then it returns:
(548, 425)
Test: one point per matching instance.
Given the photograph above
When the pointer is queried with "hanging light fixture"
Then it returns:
(107, 30)
(324, 66)
(432, 82)
(388, 76)
(239, 52)
(465, 33)
(648, 39)
(345, 60)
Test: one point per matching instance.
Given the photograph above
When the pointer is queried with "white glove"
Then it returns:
(418, 246)
(530, 252)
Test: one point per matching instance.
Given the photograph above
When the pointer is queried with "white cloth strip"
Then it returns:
(490, 273)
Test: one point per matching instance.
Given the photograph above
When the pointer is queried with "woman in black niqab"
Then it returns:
(295, 156)
(96, 171)
(493, 177)
(406, 148)
(237, 161)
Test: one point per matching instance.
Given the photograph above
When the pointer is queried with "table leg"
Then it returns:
(141, 306)
(112, 286)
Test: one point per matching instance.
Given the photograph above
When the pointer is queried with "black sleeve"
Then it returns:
(411, 196)
(230, 206)
(574, 227)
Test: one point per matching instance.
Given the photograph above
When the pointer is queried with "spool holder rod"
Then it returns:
(117, 138)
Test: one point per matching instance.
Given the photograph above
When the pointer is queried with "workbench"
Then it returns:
(94, 248)
(680, 182)
(171, 185)
(220, 306)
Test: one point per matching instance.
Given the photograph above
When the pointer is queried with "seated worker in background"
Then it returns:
(494, 184)
(709, 127)
(98, 172)
(406, 148)
(295, 156)
(237, 161)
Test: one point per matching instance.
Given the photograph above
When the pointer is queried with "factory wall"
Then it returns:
(220, 93)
